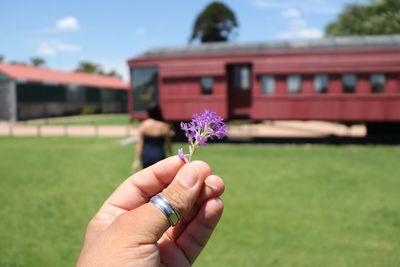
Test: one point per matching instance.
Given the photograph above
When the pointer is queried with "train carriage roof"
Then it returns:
(222, 47)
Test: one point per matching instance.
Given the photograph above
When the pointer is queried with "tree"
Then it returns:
(113, 73)
(16, 62)
(377, 17)
(216, 23)
(1, 58)
(89, 67)
(37, 61)
(94, 68)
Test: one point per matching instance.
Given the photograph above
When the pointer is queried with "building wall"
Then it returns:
(187, 92)
(334, 105)
(37, 100)
(8, 110)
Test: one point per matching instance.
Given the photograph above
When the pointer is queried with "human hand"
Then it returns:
(129, 231)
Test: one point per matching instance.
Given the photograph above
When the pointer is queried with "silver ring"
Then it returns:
(160, 202)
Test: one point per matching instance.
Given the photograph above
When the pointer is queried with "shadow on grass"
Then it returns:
(327, 140)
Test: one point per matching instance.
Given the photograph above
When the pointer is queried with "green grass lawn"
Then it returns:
(102, 119)
(285, 205)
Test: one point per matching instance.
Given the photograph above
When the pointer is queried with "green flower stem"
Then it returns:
(192, 149)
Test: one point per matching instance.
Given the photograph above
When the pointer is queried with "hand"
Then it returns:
(129, 231)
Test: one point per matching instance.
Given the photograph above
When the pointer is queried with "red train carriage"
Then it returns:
(348, 80)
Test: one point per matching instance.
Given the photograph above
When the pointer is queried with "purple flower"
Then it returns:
(207, 125)
(181, 155)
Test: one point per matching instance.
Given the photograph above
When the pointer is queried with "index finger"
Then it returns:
(138, 188)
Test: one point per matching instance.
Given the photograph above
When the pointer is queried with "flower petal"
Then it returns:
(182, 155)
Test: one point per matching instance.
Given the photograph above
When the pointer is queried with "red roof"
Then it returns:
(36, 74)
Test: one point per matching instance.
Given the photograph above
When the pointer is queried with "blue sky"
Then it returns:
(110, 32)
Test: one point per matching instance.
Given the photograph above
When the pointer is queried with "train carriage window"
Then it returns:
(377, 82)
(241, 77)
(349, 83)
(245, 78)
(145, 87)
(207, 85)
(321, 83)
(267, 84)
(293, 84)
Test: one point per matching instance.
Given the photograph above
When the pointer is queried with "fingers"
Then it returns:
(185, 189)
(137, 189)
(195, 236)
(214, 187)
(147, 223)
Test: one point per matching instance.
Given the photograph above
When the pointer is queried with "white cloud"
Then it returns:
(69, 23)
(297, 23)
(53, 48)
(140, 36)
(323, 6)
(140, 31)
(306, 33)
(46, 49)
(70, 48)
(290, 13)
(298, 28)
(269, 3)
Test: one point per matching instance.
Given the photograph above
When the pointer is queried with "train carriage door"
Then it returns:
(239, 90)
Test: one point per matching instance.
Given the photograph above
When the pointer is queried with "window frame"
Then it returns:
(326, 80)
(263, 89)
(382, 89)
(344, 86)
(203, 89)
(237, 81)
(297, 91)
(144, 82)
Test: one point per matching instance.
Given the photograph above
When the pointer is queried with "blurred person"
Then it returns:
(155, 135)
(133, 227)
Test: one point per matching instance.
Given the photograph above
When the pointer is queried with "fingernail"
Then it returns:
(209, 184)
(189, 178)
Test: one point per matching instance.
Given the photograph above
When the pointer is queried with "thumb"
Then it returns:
(147, 223)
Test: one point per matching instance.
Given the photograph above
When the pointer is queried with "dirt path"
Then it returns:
(265, 129)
